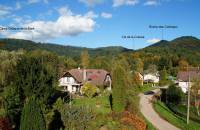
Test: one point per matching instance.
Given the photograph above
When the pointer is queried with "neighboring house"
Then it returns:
(139, 78)
(74, 79)
(151, 77)
(185, 78)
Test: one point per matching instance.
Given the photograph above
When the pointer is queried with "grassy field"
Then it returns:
(178, 121)
(99, 104)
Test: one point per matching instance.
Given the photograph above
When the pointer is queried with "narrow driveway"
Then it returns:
(149, 113)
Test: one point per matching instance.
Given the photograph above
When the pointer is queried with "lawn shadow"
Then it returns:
(56, 123)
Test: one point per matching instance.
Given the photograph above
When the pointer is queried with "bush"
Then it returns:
(77, 118)
(32, 117)
(174, 94)
(89, 90)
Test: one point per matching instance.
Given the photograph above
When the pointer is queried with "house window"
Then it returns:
(108, 78)
(65, 88)
(68, 79)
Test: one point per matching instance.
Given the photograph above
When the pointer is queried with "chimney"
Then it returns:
(84, 75)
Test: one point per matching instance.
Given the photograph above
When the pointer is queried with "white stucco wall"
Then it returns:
(108, 79)
(68, 84)
(66, 81)
(183, 86)
(154, 78)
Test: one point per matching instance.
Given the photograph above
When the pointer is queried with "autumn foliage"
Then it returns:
(133, 120)
(5, 124)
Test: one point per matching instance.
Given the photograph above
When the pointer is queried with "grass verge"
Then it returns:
(177, 121)
(149, 125)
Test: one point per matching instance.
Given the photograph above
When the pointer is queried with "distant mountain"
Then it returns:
(186, 47)
(160, 43)
(16, 44)
(187, 42)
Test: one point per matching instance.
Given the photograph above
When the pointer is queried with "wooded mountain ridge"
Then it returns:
(183, 46)
(71, 51)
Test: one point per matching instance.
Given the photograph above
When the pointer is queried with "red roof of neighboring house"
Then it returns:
(95, 76)
(184, 75)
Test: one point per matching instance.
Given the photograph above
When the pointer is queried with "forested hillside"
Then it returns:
(71, 51)
(171, 52)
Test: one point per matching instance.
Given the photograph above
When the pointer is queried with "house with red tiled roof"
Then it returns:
(74, 79)
(185, 78)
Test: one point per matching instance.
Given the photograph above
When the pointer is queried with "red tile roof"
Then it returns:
(184, 75)
(95, 76)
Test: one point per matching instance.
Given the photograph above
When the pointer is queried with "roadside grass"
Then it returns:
(177, 121)
(99, 104)
(149, 125)
(144, 88)
(182, 111)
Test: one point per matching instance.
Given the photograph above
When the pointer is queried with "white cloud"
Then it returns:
(151, 2)
(91, 2)
(4, 10)
(91, 14)
(153, 40)
(66, 25)
(33, 1)
(117, 3)
(65, 11)
(106, 15)
(18, 6)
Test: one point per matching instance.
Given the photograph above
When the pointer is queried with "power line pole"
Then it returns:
(188, 104)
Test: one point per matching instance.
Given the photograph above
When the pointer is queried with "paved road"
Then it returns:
(149, 113)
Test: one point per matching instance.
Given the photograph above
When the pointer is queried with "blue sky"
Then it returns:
(99, 23)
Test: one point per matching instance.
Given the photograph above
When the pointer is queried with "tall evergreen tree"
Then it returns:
(34, 79)
(32, 117)
(118, 91)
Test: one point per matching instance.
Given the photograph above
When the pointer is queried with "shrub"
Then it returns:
(89, 90)
(77, 118)
(32, 117)
(174, 94)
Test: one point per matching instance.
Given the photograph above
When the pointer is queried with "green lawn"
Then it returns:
(178, 121)
(100, 104)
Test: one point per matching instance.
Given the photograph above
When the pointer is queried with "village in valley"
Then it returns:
(99, 65)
